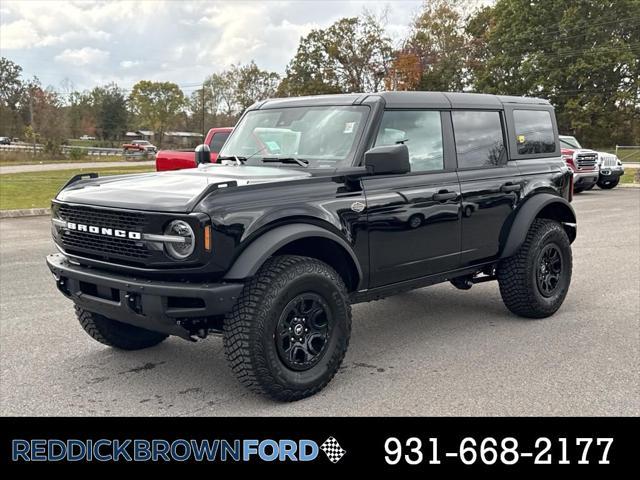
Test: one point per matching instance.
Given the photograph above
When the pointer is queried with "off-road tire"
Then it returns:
(117, 334)
(609, 184)
(250, 328)
(517, 274)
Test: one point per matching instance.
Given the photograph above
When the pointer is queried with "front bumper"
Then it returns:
(165, 307)
(585, 179)
(611, 173)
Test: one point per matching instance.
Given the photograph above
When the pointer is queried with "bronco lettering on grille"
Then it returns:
(112, 232)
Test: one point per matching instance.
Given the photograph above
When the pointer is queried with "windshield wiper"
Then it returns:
(299, 161)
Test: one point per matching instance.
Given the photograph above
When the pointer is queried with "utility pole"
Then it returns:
(203, 110)
(33, 130)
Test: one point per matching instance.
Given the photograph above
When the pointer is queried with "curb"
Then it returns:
(29, 212)
(628, 185)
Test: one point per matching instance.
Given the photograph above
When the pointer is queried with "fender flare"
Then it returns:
(251, 259)
(528, 213)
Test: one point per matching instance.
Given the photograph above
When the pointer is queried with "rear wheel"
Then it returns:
(608, 184)
(117, 334)
(289, 331)
(535, 281)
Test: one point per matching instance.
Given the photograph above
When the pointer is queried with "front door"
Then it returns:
(413, 218)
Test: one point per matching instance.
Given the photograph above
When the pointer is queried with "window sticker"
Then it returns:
(521, 138)
(348, 127)
(273, 146)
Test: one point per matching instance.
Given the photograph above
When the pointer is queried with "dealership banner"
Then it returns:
(388, 444)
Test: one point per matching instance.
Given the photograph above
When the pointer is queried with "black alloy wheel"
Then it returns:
(549, 269)
(303, 330)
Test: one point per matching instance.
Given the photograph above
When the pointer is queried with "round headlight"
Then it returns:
(180, 250)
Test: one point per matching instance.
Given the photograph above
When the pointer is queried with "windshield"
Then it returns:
(569, 142)
(325, 137)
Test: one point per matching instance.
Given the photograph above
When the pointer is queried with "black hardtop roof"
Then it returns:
(404, 100)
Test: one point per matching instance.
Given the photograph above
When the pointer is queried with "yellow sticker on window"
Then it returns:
(520, 138)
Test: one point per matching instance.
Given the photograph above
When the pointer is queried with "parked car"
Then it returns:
(330, 201)
(179, 159)
(139, 146)
(5, 141)
(583, 163)
(87, 137)
(610, 167)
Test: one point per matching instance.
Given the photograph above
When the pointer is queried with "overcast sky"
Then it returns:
(91, 43)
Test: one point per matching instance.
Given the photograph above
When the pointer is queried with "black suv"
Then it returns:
(321, 203)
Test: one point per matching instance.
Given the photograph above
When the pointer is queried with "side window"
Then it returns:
(421, 132)
(479, 139)
(534, 131)
(218, 141)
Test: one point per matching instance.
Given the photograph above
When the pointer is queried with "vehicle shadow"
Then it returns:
(183, 378)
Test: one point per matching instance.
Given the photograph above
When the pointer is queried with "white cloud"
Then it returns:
(82, 56)
(129, 63)
(17, 35)
(180, 41)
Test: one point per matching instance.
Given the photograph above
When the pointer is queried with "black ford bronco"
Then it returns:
(320, 203)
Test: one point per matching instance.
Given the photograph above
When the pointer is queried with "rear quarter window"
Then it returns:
(534, 132)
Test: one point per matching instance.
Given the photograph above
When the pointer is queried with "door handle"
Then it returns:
(510, 187)
(444, 195)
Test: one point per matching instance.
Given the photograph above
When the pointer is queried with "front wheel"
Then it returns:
(535, 281)
(608, 184)
(289, 331)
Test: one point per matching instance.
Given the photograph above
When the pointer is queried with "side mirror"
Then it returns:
(203, 154)
(387, 159)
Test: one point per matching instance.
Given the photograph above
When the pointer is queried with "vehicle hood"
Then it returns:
(173, 191)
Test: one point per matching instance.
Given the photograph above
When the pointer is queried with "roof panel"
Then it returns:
(405, 100)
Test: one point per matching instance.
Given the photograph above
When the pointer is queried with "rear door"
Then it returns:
(414, 218)
(489, 182)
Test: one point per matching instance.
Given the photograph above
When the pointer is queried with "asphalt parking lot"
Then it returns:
(435, 351)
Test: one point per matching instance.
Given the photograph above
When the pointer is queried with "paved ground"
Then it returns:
(436, 351)
(70, 165)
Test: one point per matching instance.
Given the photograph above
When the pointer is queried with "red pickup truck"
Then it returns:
(179, 159)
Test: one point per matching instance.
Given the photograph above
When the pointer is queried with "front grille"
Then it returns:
(103, 218)
(609, 160)
(587, 160)
(98, 245)
(108, 245)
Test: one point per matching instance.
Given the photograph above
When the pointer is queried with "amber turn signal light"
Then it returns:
(207, 238)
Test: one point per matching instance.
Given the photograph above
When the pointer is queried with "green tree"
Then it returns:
(228, 93)
(253, 84)
(11, 93)
(439, 41)
(42, 110)
(81, 114)
(583, 56)
(352, 55)
(110, 109)
(156, 105)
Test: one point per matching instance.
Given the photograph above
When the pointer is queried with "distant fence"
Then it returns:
(93, 151)
(628, 153)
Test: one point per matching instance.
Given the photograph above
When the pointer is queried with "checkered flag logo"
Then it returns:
(333, 450)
